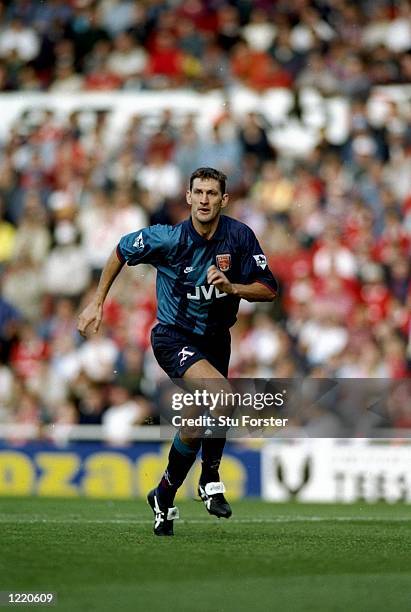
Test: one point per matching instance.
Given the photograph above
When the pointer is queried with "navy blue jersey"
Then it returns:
(182, 258)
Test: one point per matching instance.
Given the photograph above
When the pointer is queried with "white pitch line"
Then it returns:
(279, 519)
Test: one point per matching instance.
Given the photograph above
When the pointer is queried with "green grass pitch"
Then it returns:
(101, 555)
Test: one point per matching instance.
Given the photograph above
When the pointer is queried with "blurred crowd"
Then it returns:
(341, 46)
(335, 225)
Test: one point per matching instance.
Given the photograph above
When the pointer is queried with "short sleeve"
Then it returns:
(148, 245)
(254, 266)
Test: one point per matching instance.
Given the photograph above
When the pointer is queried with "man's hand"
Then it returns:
(92, 314)
(218, 279)
(254, 292)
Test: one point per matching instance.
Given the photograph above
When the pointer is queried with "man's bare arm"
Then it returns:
(93, 312)
(254, 292)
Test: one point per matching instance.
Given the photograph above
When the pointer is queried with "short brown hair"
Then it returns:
(209, 173)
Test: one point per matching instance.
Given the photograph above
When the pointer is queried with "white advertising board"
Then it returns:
(331, 470)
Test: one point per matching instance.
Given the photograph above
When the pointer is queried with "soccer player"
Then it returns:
(205, 265)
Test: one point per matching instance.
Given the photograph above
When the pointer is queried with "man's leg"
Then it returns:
(161, 499)
(212, 447)
(180, 459)
(186, 445)
(172, 349)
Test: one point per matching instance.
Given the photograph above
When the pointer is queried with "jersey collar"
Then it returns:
(218, 234)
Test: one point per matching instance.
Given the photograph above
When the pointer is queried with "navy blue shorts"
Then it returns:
(176, 350)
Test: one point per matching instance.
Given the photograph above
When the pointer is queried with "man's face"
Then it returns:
(206, 199)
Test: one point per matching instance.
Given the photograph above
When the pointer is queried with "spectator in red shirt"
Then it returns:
(257, 69)
(102, 78)
(166, 60)
(28, 352)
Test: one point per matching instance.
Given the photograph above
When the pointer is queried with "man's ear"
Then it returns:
(188, 197)
(224, 200)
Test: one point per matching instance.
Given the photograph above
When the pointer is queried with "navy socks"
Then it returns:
(180, 459)
(211, 453)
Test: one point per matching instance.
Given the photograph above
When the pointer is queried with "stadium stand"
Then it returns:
(109, 106)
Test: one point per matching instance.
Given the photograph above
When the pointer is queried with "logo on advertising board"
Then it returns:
(223, 262)
(324, 470)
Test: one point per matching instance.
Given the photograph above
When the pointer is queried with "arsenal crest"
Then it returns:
(223, 262)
